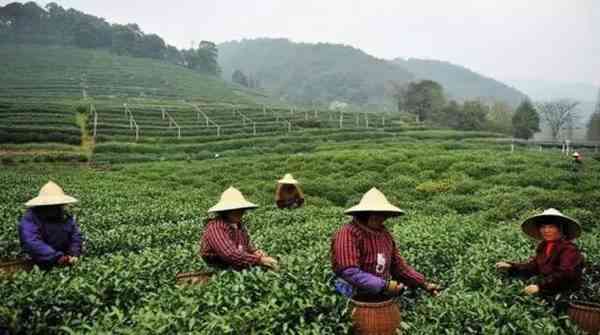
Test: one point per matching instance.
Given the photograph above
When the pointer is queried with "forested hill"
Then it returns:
(461, 83)
(304, 73)
(325, 72)
(28, 23)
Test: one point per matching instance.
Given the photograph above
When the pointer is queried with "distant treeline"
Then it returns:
(53, 25)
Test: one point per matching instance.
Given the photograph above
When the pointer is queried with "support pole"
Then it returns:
(341, 119)
(95, 123)
(254, 128)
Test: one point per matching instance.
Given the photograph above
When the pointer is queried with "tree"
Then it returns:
(151, 46)
(174, 56)
(525, 121)
(423, 98)
(203, 59)
(593, 131)
(472, 116)
(499, 117)
(449, 115)
(557, 114)
(239, 77)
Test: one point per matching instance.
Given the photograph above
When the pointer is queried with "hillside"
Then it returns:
(302, 72)
(461, 83)
(48, 71)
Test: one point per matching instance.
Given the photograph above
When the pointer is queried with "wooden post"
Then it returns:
(162, 112)
(289, 126)
(137, 133)
(366, 120)
(130, 121)
(254, 128)
(218, 131)
(383, 121)
(540, 148)
(316, 113)
(95, 122)
(512, 146)
(178, 132)
(341, 119)
(357, 119)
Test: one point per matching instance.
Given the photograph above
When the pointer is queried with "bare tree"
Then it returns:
(558, 114)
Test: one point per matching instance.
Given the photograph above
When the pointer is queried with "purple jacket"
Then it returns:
(45, 243)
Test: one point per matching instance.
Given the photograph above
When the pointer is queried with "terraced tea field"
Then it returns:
(464, 199)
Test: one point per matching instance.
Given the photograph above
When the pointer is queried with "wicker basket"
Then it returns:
(586, 315)
(193, 278)
(10, 267)
(375, 318)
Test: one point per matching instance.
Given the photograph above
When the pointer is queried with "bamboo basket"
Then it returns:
(193, 278)
(9, 267)
(586, 315)
(375, 318)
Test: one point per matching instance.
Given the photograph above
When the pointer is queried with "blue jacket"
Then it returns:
(46, 242)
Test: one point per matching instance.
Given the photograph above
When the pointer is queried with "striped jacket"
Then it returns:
(224, 244)
(372, 251)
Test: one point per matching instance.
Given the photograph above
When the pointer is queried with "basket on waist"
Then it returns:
(586, 315)
(12, 266)
(194, 277)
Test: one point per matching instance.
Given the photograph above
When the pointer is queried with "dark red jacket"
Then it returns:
(560, 271)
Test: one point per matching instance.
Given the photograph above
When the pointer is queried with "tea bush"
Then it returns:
(142, 223)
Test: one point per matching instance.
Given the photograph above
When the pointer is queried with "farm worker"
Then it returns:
(365, 258)
(225, 242)
(48, 234)
(557, 260)
(289, 194)
(577, 158)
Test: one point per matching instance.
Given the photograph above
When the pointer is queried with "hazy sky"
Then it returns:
(505, 39)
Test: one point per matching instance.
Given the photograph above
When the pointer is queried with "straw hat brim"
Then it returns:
(229, 207)
(571, 228)
(288, 181)
(50, 201)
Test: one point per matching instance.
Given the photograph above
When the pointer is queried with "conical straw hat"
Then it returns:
(288, 179)
(571, 228)
(50, 194)
(576, 154)
(375, 201)
(231, 199)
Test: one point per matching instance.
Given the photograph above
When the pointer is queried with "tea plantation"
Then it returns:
(465, 200)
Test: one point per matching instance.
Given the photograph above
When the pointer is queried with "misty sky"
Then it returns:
(555, 40)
